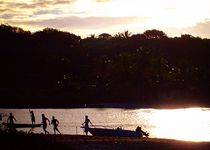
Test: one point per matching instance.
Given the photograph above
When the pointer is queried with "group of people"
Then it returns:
(55, 123)
(45, 120)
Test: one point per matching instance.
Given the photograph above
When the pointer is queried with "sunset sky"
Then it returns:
(86, 17)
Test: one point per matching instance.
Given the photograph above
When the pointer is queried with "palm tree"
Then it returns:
(125, 34)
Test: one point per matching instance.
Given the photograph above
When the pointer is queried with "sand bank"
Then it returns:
(77, 142)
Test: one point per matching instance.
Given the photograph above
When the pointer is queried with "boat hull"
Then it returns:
(114, 132)
(19, 125)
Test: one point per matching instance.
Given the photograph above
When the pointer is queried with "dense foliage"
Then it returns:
(59, 69)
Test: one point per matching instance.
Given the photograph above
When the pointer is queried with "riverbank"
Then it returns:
(78, 142)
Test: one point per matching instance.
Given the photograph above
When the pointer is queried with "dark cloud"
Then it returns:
(9, 11)
(64, 1)
(36, 4)
(80, 23)
(54, 2)
(43, 12)
(6, 16)
(12, 5)
(200, 29)
(5, 10)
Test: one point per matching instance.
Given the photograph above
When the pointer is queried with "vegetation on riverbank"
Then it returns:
(52, 68)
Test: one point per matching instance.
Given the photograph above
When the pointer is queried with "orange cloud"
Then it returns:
(78, 22)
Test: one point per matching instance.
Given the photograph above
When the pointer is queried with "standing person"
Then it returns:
(86, 124)
(44, 121)
(33, 121)
(55, 123)
(11, 119)
(141, 132)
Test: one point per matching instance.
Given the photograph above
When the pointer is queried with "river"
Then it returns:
(191, 124)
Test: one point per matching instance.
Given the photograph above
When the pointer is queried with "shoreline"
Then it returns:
(134, 106)
(80, 142)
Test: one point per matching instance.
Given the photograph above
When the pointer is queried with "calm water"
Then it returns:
(184, 124)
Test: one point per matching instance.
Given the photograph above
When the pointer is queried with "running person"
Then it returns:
(44, 121)
(55, 123)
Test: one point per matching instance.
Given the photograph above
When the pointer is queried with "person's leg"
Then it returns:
(54, 130)
(58, 131)
(45, 129)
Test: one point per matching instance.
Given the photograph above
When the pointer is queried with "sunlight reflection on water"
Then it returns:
(192, 124)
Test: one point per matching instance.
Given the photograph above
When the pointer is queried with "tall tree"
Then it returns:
(154, 34)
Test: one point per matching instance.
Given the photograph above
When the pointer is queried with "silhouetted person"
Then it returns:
(55, 123)
(10, 121)
(139, 130)
(33, 121)
(86, 124)
(44, 121)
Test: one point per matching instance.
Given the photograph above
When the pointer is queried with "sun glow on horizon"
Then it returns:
(190, 124)
(134, 15)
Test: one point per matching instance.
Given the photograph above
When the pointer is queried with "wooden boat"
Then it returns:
(21, 125)
(116, 132)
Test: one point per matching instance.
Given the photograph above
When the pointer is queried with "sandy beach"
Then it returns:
(78, 142)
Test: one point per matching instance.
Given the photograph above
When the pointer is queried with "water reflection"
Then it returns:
(190, 124)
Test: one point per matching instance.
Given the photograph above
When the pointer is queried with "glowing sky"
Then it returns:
(86, 17)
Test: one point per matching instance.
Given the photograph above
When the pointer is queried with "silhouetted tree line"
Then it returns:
(59, 69)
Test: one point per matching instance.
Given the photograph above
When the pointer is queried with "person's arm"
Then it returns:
(14, 119)
(57, 121)
(48, 121)
(83, 123)
(90, 122)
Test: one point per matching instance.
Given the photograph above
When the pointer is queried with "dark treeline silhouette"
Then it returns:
(52, 68)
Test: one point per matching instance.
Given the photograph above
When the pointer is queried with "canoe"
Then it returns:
(114, 132)
(21, 125)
